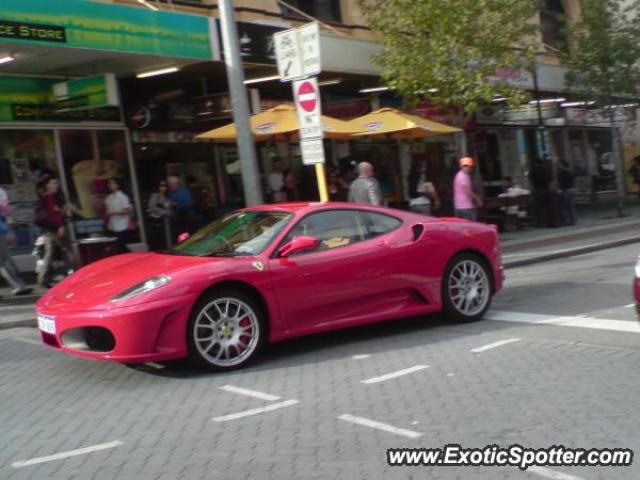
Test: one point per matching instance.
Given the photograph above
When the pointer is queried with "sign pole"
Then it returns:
(322, 182)
(235, 75)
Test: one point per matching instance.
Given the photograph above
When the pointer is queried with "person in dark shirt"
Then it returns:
(566, 182)
(540, 179)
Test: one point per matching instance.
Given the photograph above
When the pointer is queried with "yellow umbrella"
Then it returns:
(397, 125)
(280, 123)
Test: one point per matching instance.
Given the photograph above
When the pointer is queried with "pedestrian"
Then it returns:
(118, 212)
(337, 188)
(8, 268)
(465, 200)
(181, 206)
(159, 209)
(540, 180)
(276, 182)
(566, 182)
(634, 171)
(198, 199)
(423, 197)
(365, 188)
(290, 186)
(51, 216)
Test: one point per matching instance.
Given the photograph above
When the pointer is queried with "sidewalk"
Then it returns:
(599, 228)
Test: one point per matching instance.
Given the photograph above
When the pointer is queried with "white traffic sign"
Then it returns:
(312, 151)
(288, 55)
(307, 99)
(310, 47)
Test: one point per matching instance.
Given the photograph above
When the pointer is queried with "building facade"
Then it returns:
(75, 102)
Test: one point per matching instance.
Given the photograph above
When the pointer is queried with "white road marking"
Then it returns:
(449, 374)
(631, 305)
(553, 474)
(587, 322)
(70, 453)
(385, 427)
(361, 356)
(250, 393)
(490, 346)
(155, 365)
(255, 411)
(391, 375)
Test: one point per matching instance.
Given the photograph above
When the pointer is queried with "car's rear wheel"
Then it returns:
(226, 330)
(466, 288)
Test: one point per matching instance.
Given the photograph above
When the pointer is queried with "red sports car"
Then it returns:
(269, 273)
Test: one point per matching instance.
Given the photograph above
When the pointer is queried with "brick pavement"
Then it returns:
(535, 392)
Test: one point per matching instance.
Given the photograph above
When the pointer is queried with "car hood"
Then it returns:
(102, 280)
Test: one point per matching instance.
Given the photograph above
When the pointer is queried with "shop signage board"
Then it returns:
(307, 98)
(31, 99)
(86, 93)
(107, 26)
(256, 42)
(312, 151)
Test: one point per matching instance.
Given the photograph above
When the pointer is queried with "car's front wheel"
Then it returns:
(226, 330)
(466, 288)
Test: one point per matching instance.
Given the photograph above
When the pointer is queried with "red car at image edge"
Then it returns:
(269, 273)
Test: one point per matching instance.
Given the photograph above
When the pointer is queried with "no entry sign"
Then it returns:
(307, 96)
(307, 99)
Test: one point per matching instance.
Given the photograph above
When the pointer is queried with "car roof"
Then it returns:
(304, 207)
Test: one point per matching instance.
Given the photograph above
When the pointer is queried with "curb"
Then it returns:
(571, 252)
(27, 322)
(31, 322)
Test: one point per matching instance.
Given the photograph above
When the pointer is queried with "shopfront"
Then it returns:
(507, 142)
(60, 107)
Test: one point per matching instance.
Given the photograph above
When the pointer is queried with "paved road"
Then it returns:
(327, 406)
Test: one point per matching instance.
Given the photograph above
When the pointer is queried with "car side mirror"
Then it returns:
(297, 245)
(183, 236)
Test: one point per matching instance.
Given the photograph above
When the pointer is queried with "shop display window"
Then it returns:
(91, 158)
(26, 156)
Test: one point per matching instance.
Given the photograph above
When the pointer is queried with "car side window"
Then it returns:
(379, 224)
(333, 228)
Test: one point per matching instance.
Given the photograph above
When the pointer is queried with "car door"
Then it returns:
(334, 282)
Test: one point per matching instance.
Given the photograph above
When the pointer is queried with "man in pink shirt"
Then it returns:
(464, 199)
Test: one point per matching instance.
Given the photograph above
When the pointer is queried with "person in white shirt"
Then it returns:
(118, 214)
(422, 194)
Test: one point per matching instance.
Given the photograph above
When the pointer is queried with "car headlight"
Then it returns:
(143, 287)
(638, 268)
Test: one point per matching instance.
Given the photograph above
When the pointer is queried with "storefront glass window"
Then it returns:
(91, 158)
(26, 156)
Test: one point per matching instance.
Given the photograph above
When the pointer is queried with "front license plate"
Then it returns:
(47, 324)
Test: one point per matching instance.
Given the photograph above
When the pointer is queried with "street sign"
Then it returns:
(298, 52)
(307, 98)
(310, 47)
(288, 55)
(312, 151)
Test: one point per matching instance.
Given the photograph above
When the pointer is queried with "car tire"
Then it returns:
(226, 331)
(467, 288)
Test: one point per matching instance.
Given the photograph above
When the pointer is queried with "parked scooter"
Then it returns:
(59, 268)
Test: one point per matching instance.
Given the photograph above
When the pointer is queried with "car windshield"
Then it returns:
(240, 234)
